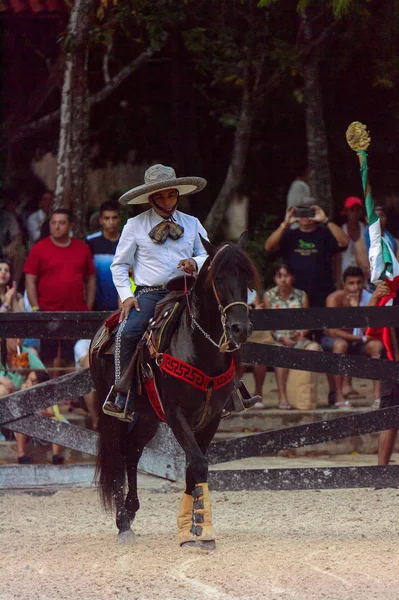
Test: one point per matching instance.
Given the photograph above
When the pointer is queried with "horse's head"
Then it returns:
(230, 272)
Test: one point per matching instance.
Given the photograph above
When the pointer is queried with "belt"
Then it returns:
(140, 289)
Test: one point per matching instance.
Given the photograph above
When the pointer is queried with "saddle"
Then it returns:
(160, 327)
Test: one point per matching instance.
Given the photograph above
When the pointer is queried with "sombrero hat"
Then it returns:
(158, 178)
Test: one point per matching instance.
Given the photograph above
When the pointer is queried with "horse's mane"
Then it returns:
(234, 256)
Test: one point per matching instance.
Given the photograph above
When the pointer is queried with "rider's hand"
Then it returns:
(286, 341)
(127, 305)
(188, 265)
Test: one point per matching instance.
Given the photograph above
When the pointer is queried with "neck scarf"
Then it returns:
(160, 232)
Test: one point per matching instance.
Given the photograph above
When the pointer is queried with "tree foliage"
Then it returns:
(230, 56)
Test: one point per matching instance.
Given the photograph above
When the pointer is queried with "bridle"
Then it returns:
(224, 342)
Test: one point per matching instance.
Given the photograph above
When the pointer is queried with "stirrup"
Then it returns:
(242, 399)
(127, 415)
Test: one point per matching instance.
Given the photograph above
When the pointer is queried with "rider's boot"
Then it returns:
(240, 399)
(118, 405)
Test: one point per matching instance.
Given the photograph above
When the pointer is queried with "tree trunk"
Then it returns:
(64, 141)
(236, 168)
(317, 145)
(74, 129)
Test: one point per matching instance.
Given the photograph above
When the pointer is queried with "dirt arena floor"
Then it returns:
(271, 545)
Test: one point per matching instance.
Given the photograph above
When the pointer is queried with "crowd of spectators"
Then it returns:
(322, 264)
(61, 273)
(329, 266)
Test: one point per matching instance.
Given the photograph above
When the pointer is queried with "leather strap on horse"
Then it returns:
(185, 372)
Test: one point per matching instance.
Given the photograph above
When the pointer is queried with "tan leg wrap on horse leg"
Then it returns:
(185, 519)
(202, 516)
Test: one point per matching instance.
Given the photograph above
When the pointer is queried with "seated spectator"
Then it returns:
(35, 220)
(21, 368)
(10, 299)
(308, 251)
(15, 361)
(345, 341)
(354, 229)
(362, 246)
(284, 295)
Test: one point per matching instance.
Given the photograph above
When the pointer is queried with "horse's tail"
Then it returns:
(111, 461)
(111, 458)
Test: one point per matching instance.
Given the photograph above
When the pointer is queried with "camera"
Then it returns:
(304, 212)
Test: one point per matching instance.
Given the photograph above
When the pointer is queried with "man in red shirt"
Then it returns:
(60, 276)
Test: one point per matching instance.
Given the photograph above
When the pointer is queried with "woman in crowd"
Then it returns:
(284, 295)
(10, 300)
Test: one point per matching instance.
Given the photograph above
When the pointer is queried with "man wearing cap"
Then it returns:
(159, 244)
(354, 229)
(309, 249)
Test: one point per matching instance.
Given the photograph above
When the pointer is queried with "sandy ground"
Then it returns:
(271, 545)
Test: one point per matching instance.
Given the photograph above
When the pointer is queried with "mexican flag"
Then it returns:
(383, 263)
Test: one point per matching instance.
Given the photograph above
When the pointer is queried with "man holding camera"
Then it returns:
(309, 249)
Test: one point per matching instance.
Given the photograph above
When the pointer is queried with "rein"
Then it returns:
(224, 342)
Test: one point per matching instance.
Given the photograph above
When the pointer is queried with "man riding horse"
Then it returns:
(159, 244)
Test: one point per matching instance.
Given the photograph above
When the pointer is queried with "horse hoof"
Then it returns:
(126, 538)
(208, 545)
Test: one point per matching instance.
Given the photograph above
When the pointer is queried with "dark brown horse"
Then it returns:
(215, 318)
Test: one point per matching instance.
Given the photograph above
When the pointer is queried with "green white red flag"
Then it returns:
(383, 263)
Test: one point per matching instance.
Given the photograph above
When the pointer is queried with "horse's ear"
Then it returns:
(243, 241)
(210, 248)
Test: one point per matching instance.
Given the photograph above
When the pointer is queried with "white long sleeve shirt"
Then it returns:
(154, 264)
